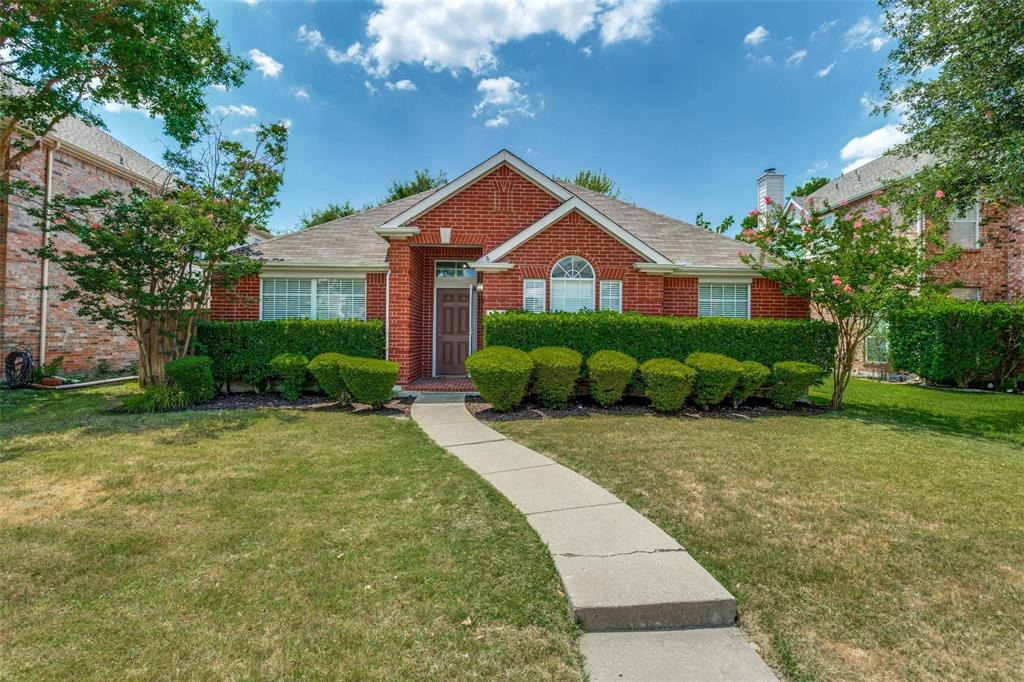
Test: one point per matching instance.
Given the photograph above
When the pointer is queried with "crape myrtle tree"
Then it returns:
(149, 259)
(854, 271)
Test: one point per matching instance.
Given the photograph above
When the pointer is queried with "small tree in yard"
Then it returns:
(150, 259)
(854, 272)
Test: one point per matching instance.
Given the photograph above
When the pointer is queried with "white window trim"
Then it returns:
(312, 290)
(618, 286)
(543, 293)
(593, 282)
(738, 281)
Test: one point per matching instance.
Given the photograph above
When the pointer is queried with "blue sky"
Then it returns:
(682, 103)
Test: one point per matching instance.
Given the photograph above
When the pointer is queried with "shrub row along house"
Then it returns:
(503, 236)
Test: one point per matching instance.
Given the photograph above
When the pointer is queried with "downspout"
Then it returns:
(387, 314)
(44, 299)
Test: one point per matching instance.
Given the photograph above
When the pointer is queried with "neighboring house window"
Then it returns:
(572, 285)
(611, 295)
(963, 228)
(533, 295)
(876, 344)
(966, 293)
(829, 220)
(723, 300)
(286, 298)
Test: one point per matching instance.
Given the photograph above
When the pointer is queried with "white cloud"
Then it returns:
(796, 58)
(864, 148)
(816, 168)
(502, 98)
(628, 20)
(824, 28)
(251, 3)
(454, 34)
(235, 110)
(821, 73)
(287, 123)
(764, 59)
(267, 65)
(370, 88)
(247, 130)
(586, 50)
(757, 36)
(403, 85)
(219, 86)
(865, 33)
(300, 93)
(867, 103)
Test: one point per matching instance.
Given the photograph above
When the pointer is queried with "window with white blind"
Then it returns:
(963, 228)
(533, 296)
(572, 285)
(611, 295)
(966, 293)
(284, 298)
(723, 300)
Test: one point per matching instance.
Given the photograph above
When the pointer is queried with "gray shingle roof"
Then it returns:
(104, 145)
(352, 239)
(343, 241)
(868, 178)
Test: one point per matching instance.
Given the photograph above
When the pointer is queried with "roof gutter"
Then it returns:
(683, 270)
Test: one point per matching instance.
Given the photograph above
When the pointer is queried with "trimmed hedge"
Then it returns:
(647, 337)
(369, 380)
(791, 380)
(501, 375)
(291, 367)
(667, 383)
(193, 376)
(717, 376)
(326, 369)
(610, 373)
(555, 371)
(753, 376)
(242, 351)
(947, 340)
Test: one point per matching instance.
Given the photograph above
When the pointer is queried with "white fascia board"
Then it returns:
(397, 232)
(677, 270)
(481, 266)
(468, 178)
(595, 216)
(314, 269)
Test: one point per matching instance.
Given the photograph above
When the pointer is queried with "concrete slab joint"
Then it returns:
(647, 608)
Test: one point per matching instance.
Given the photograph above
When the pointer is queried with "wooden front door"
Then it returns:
(452, 344)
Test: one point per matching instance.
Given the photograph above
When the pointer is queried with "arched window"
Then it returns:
(572, 285)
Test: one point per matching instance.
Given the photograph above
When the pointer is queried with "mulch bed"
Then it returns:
(399, 407)
(583, 407)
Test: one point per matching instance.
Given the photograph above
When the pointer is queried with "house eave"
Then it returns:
(683, 270)
(397, 232)
(293, 267)
(485, 266)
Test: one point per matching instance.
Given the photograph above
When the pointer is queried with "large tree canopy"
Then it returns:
(317, 216)
(809, 186)
(596, 181)
(422, 181)
(956, 77)
(61, 58)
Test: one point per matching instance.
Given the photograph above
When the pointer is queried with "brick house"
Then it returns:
(991, 237)
(76, 159)
(503, 236)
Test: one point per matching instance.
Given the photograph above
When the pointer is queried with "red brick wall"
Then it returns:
(238, 303)
(82, 343)
(767, 300)
(1015, 253)
(681, 296)
(376, 288)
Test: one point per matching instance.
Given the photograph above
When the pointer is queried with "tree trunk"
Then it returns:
(846, 352)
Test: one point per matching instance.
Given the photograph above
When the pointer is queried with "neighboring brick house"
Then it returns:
(991, 237)
(76, 159)
(503, 236)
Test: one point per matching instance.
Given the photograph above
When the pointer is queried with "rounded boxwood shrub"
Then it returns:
(667, 383)
(193, 376)
(555, 371)
(326, 369)
(610, 373)
(717, 376)
(154, 399)
(368, 380)
(754, 375)
(790, 381)
(291, 367)
(501, 375)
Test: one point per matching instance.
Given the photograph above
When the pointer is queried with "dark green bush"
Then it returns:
(154, 399)
(717, 376)
(610, 373)
(193, 376)
(947, 340)
(501, 375)
(667, 383)
(555, 371)
(242, 351)
(753, 376)
(291, 367)
(369, 380)
(791, 380)
(645, 337)
(326, 369)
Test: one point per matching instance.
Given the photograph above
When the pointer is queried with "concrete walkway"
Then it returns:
(648, 610)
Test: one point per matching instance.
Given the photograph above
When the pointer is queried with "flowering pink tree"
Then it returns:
(855, 270)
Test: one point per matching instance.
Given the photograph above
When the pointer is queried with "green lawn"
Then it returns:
(882, 542)
(260, 544)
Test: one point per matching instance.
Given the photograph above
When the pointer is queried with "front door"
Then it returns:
(452, 343)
